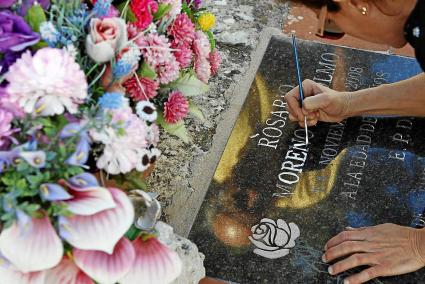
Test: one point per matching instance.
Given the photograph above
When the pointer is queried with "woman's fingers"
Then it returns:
(366, 275)
(346, 236)
(355, 260)
(292, 98)
(346, 248)
(319, 101)
(294, 107)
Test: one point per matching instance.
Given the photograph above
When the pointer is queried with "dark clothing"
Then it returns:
(414, 31)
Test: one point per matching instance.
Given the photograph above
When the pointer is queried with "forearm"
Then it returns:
(405, 98)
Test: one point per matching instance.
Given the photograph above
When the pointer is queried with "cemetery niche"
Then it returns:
(274, 201)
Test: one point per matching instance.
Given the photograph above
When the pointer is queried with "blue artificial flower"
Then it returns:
(101, 8)
(83, 180)
(81, 154)
(127, 61)
(9, 202)
(53, 192)
(36, 159)
(49, 33)
(121, 69)
(112, 101)
(70, 130)
(79, 17)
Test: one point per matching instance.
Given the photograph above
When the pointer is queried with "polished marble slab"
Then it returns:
(273, 201)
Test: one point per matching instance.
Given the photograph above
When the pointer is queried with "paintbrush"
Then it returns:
(300, 83)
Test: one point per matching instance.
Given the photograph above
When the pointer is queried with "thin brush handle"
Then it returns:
(297, 66)
(300, 83)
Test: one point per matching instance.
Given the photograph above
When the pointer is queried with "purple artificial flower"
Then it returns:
(36, 159)
(7, 158)
(6, 3)
(81, 154)
(83, 180)
(7, 60)
(196, 3)
(26, 4)
(6, 129)
(54, 192)
(15, 34)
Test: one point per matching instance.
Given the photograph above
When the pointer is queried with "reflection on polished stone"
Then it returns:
(274, 202)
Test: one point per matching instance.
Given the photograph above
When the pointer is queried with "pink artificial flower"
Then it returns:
(182, 29)
(203, 69)
(176, 108)
(168, 72)
(154, 263)
(9, 274)
(153, 135)
(183, 54)
(106, 267)
(66, 272)
(47, 83)
(201, 46)
(215, 61)
(6, 130)
(100, 231)
(202, 49)
(106, 38)
(143, 10)
(120, 153)
(7, 105)
(156, 49)
(141, 88)
(132, 31)
(33, 246)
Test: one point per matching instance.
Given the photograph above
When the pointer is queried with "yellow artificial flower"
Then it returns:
(206, 21)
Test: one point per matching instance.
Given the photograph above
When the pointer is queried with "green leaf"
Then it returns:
(35, 180)
(146, 71)
(177, 129)
(129, 13)
(163, 9)
(39, 45)
(62, 151)
(196, 111)
(35, 16)
(136, 181)
(21, 184)
(187, 10)
(50, 131)
(32, 208)
(51, 156)
(212, 40)
(190, 86)
(130, 16)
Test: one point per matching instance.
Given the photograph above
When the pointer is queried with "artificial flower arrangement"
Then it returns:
(84, 85)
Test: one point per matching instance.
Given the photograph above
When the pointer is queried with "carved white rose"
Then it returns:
(274, 239)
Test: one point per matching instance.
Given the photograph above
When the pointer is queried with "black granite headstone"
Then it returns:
(273, 202)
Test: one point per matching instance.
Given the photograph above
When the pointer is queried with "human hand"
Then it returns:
(387, 249)
(320, 104)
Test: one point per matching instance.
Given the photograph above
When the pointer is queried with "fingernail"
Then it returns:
(330, 270)
(324, 258)
(326, 247)
(349, 228)
(346, 281)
